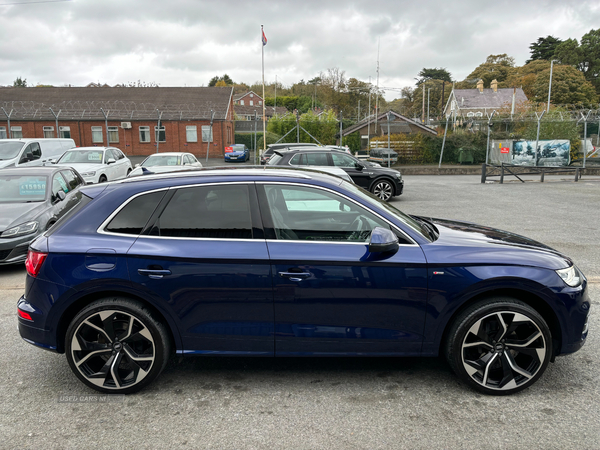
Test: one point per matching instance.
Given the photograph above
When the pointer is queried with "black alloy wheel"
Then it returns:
(114, 345)
(499, 346)
(383, 189)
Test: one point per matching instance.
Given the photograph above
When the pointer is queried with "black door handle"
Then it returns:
(155, 274)
(295, 276)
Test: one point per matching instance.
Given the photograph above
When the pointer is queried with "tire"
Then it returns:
(117, 331)
(102, 179)
(499, 346)
(383, 189)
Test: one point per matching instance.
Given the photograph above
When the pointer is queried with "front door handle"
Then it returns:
(155, 274)
(295, 276)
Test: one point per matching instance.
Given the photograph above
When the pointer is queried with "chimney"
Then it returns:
(494, 85)
(480, 86)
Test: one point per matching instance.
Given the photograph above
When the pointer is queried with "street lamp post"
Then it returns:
(428, 89)
(550, 84)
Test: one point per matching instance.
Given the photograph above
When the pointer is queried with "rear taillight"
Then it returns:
(34, 262)
(24, 315)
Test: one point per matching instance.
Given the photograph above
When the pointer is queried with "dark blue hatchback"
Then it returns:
(285, 262)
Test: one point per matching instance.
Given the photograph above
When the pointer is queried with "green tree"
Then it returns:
(434, 74)
(495, 67)
(543, 48)
(224, 78)
(20, 82)
(584, 56)
(569, 87)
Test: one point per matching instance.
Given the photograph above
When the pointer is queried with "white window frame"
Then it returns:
(191, 133)
(95, 138)
(242, 102)
(16, 132)
(48, 132)
(207, 133)
(112, 132)
(3, 133)
(157, 134)
(65, 132)
(146, 130)
(251, 102)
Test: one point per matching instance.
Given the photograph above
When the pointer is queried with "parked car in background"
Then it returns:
(32, 152)
(383, 156)
(97, 164)
(270, 262)
(237, 152)
(32, 199)
(166, 162)
(281, 146)
(381, 181)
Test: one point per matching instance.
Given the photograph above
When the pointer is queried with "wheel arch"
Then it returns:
(527, 297)
(73, 309)
(384, 178)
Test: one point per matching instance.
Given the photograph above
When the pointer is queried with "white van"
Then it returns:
(32, 152)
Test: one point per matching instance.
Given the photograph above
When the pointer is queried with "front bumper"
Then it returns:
(398, 186)
(14, 250)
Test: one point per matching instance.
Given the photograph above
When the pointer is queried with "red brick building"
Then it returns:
(124, 117)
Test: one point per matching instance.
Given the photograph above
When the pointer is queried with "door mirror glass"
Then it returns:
(60, 196)
(383, 240)
(110, 161)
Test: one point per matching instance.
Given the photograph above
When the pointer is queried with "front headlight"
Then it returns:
(571, 276)
(399, 175)
(89, 174)
(20, 230)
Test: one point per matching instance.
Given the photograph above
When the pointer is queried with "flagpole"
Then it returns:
(262, 47)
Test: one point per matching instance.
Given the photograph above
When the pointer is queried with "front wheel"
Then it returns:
(102, 179)
(383, 189)
(499, 346)
(114, 345)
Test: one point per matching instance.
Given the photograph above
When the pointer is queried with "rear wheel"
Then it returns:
(499, 346)
(114, 345)
(383, 189)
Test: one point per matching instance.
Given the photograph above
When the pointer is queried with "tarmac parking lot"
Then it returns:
(330, 403)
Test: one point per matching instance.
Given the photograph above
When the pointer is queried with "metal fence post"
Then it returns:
(487, 147)
(537, 138)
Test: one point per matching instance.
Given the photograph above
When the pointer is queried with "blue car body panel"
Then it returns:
(228, 296)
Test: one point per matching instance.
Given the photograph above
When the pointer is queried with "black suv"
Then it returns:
(383, 182)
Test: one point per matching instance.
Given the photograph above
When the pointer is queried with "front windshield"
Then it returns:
(376, 201)
(162, 160)
(10, 150)
(22, 188)
(82, 156)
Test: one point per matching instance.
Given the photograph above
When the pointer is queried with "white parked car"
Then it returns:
(97, 164)
(166, 162)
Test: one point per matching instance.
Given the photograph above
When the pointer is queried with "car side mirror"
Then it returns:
(137, 165)
(359, 166)
(383, 240)
(28, 156)
(60, 196)
(110, 161)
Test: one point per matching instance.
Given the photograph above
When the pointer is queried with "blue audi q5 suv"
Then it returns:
(290, 262)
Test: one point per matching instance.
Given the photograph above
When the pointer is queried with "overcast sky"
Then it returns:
(187, 42)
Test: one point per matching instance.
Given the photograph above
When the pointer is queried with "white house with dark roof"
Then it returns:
(480, 102)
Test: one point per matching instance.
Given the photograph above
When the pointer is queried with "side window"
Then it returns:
(70, 179)
(59, 184)
(315, 159)
(218, 212)
(34, 149)
(341, 160)
(187, 159)
(118, 153)
(108, 154)
(309, 214)
(296, 160)
(134, 215)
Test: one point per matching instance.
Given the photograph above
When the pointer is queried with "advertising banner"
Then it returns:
(551, 153)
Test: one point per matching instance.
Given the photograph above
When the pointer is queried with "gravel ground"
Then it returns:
(331, 403)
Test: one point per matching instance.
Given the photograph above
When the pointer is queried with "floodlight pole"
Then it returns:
(8, 120)
(157, 134)
(487, 146)
(389, 118)
(585, 121)
(209, 140)
(444, 143)
(428, 89)
(341, 124)
(550, 84)
(56, 119)
(537, 138)
(105, 114)
(255, 140)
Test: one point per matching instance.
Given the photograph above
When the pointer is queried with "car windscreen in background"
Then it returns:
(10, 150)
(22, 188)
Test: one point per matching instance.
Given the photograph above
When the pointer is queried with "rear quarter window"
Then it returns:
(132, 218)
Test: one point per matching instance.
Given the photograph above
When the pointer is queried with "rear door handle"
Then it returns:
(155, 274)
(295, 276)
